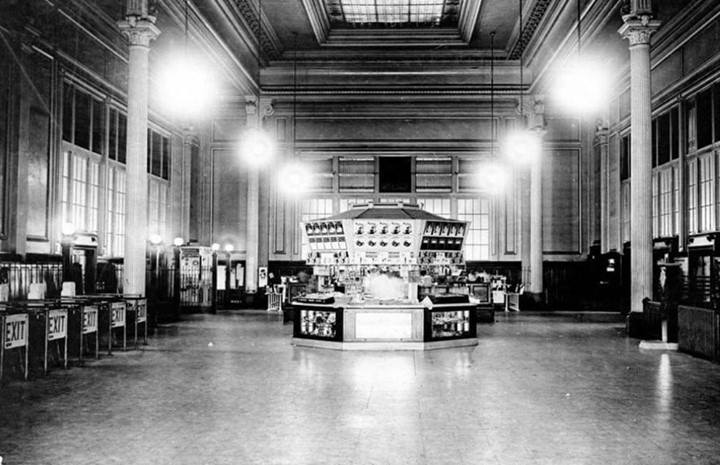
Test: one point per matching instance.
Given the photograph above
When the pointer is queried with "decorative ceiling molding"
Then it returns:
(268, 38)
(528, 30)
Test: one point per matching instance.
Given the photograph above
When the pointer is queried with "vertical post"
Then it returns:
(82, 333)
(638, 29)
(176, 281)
(214, 282)
(601, 135)
(139, 27)
(47, 330)
(252, 236)
(3, 332)
(536, 287)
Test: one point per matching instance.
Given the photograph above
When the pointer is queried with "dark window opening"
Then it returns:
(156, 154)
(98, 126)
(716, 107)
(663, 139)
(83, 104)
(704, 119)
(122, 137)
(674, 134)
(165, 158)
(67, 112)
(113, 136)
(625, 158)
(654, 143)
(395, 175)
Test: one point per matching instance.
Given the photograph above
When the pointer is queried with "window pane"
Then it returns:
(433, 174)
(113, 137)
(477, 241)
(165, 158)
(674, 134)
(356, 174)
(122, 137)
(82, 119)
(663, 141)
(156, 154)
(98, 126)
(704, 119)
(67, 112)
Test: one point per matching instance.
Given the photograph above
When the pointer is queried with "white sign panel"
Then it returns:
(370, 325)
(90, 319)
(16, 331)
(117, 311)
(141, 308)
(57, 324)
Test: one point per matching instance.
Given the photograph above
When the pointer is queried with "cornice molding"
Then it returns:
(268, 38)
(528, 30)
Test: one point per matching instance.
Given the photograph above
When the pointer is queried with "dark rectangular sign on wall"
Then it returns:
(395, 174)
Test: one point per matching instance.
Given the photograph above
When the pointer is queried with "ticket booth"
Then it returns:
(79, 253)
(703, 269)
(665, 250)
(196, 269)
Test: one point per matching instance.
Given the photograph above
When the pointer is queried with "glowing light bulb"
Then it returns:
(492, 177)
(523, 146)
(582, 86)
(256, 148)
(186, 85)
(294, 178)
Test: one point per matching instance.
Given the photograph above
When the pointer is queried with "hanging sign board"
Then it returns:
(16, 331)
(57, 324)
(117, 311)
(141, 309)
(262, 276)
(90, 319)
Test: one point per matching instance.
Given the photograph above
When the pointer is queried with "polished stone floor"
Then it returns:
(230, 389)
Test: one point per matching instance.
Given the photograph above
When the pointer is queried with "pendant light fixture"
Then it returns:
(582, 85)
(522, 146)
(186, 84)
(257, 148)
(294, 178)
(492, 175)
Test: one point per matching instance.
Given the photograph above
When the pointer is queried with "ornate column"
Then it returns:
(637, 29)
(139, 27)
(253, 208)
(536, 193)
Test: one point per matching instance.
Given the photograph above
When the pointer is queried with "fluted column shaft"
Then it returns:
(140, 31)
(253, 211)
(638, 32)
(536, 228)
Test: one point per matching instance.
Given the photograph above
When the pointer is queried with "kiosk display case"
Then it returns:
(377, 254)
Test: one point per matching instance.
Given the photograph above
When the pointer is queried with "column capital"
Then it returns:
(251, 105)
(538, 114)
(140, 31)
(638, 29)
(266, 107)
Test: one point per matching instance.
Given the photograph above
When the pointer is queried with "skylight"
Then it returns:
(393, 12)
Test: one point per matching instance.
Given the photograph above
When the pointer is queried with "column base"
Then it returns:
(635, 325)
(533, 301)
